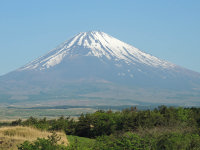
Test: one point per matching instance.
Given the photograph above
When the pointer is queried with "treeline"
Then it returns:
(161, 128)
(108, 122)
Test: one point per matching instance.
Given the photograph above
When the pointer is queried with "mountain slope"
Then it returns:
(97, 44)
(95, 67)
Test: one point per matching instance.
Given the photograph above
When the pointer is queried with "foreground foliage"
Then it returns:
(43, 144)
(131, 141)
(10, 137)
(162, 128)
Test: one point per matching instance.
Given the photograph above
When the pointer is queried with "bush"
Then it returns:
(43, 144)
(178, 141)
(127, 141)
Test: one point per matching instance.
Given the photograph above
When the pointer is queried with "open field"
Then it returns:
(51, 112)
(10, 137)
(9, 114)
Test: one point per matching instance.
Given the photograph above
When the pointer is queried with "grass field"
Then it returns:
(10, 137)
(81, 143)
(7, 114)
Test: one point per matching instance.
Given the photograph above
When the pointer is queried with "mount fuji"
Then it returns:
(94, 68)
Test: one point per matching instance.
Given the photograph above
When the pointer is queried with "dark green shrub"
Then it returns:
(127, 141)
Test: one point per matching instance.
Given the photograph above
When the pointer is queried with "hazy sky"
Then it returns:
(168, 29)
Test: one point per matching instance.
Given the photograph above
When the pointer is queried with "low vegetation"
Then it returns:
(164, 128)
(51, 143)
(12, 136)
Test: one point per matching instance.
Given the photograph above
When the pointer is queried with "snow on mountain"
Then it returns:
(100, 45)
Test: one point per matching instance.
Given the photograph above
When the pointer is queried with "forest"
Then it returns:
(163, 128)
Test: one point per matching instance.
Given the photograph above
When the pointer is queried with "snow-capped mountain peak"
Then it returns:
(94, 68)
(98, 44)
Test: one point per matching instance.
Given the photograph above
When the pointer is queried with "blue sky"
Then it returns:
(167, 29)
